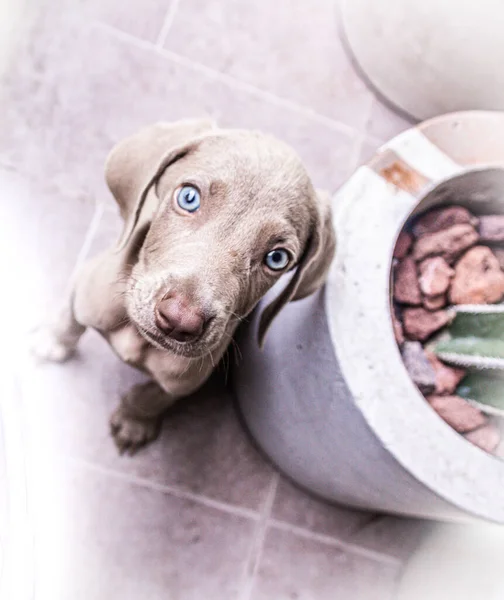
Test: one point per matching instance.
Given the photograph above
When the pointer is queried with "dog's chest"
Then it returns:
(175, 374)
(128, 345)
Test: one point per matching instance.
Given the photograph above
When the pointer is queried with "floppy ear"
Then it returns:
(312, 268)
(137, 162)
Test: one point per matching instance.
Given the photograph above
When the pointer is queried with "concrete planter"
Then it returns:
(429, 57)
(329, 399)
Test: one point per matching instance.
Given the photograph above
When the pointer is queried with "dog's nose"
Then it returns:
(180, 320)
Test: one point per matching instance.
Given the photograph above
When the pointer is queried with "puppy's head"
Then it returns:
(213, 218)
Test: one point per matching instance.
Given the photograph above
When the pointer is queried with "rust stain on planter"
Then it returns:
(404, 177)
(391, 167)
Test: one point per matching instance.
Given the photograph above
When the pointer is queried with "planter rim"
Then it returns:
(369, 212)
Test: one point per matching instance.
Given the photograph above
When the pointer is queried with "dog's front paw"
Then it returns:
(46, 346)
(130, 434)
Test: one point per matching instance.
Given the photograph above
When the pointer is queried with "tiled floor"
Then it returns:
(200, 514)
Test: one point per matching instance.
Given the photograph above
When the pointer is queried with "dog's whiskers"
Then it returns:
(226, 364)
(236, 350)
(124, 321)
(233, 314)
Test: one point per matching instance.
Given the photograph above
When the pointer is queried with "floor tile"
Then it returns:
(144, 21)
(384, 123)
(41, 233)
(394, 536)
(16, 534)
(4, 499)
(456, 561)
(202, 448)
(326, 153)
(304, 569)
(67, 104)
(296, 507)
(367, 150)
(108, 231)
(287, 47)
(51, 127)
(102, 538)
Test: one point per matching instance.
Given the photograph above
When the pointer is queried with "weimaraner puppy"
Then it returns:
(213, 218)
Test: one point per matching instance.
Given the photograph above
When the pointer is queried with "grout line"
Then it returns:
(86, 245)
(369, 115)
(167, 489)
(396, 590)
(336, 543)
(256, 550)
(358, 143)
(260, 93)
(231, 81)
(125, 36)
(111, 208)
(365, 135)
(167, 23)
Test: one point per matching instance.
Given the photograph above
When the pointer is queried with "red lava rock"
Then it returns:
(435, 302)
(448, 243)
(406, 288)
(487, 437)
(458, 413)
(435, 276)
(478, 278)
(447, 378)
(418, 366)
(403, 245)
(491, 228)
(443, 218)
(398, 329)
(420, 324)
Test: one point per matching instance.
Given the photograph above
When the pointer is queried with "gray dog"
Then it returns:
(213, 218)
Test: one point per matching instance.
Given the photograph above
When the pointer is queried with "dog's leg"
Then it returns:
(58, 341)
(137, 420)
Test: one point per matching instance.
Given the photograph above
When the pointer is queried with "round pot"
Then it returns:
(328, 399)
(429, 57)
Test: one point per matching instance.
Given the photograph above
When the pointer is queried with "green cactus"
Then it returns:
(478, 320)
(472, 352)
(484, 390)
(476, 343)
(476, 337)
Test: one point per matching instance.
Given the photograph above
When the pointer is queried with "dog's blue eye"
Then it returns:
(277, 259)
(188, 198)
